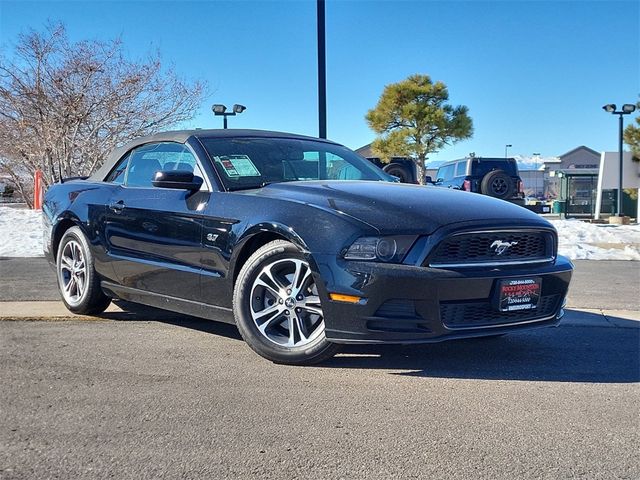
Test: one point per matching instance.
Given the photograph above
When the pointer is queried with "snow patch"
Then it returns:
(587, 241)
(20, 232)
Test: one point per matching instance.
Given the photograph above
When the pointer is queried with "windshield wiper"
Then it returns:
(235, 188)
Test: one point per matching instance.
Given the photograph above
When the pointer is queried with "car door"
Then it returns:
(446, 173)
(154, 235)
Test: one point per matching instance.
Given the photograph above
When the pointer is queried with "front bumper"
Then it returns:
(410, 304)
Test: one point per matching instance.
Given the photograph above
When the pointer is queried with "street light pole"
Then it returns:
(627, 108)
(620, 121)
(505, 149)
(322, 71)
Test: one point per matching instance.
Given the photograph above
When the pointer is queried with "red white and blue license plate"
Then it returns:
(519, 294)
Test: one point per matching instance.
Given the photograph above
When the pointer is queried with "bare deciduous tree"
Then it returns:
(65, 105)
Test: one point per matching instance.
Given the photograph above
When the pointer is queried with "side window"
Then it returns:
(117, 174)
(461, 169)
(147, 160)
(447, 172)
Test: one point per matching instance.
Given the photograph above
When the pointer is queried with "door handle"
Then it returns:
(116, 207)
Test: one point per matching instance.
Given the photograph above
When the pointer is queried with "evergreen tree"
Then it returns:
(413, 119)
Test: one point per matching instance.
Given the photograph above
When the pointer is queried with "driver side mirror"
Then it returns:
(177, 179)
(428, 179)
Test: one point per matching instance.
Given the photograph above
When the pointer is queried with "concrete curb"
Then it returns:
(55, 311)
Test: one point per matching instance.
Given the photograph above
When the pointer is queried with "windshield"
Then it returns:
(245, 163)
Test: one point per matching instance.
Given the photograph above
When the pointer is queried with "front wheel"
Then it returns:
(277, 307)
(78, 281)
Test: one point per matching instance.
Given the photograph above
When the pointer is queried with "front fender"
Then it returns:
(257, 235)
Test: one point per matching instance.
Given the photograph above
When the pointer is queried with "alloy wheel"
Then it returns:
(72, 271)
(285, 305)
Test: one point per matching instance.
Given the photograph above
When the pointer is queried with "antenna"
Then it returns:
(53, 173)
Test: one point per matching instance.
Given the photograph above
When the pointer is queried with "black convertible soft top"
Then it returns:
(181, 136)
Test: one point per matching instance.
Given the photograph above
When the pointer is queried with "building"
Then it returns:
(581, 160)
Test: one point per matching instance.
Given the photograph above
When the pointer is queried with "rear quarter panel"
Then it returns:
(79, 203)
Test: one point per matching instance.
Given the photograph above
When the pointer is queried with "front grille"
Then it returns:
(482, 314)
(468, 249)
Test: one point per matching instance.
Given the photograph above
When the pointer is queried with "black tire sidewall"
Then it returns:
(310, 354)
(399, 171)
(487, 184)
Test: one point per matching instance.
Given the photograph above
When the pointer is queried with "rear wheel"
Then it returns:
(78, 281)
(277, 307)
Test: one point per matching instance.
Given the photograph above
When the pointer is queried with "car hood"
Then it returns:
(399, 207)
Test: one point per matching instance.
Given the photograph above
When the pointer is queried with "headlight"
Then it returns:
(382, 249)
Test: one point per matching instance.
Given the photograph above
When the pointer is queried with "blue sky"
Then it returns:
(533, 74)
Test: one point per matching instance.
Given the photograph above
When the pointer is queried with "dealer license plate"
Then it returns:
(519, 294)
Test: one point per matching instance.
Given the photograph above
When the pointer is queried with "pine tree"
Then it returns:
(413, 119)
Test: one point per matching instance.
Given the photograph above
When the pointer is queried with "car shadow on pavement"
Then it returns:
(574, 352)
(585, 348)
(134, 311)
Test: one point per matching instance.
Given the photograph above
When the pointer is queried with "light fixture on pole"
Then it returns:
(505, 149)
(627, 108)
(221, 110)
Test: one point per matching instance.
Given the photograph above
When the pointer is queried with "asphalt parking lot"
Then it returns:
(185, 398)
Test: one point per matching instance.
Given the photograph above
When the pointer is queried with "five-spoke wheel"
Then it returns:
(497, 184)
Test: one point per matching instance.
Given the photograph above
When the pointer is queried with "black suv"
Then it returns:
(496, 177)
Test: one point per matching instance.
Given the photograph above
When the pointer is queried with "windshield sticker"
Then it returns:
(238, 166)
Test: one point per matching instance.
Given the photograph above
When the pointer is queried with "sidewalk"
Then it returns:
(56, 311)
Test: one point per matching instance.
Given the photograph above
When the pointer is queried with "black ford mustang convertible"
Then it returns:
(300, 242)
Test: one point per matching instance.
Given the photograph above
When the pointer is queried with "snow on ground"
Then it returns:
(586, 241)
(20, 232)
(21, 236)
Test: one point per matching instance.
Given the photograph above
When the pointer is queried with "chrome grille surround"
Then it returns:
(474, 248)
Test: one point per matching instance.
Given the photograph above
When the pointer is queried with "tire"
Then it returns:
(277, 279)
(497, 184)
(78, 282)
(400, 171)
